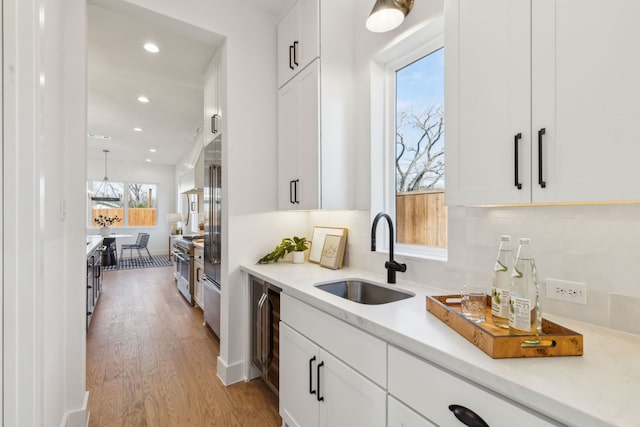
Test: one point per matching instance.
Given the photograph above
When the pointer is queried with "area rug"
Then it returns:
(143, 262)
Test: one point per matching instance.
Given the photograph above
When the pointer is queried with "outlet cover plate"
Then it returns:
(564, 290)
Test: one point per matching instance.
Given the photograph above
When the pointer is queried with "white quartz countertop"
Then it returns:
(599, 388)
(93, 242)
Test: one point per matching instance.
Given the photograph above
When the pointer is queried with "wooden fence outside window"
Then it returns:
(421, 218)
(138, 217)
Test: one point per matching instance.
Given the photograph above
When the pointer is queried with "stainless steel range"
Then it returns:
(183, 255)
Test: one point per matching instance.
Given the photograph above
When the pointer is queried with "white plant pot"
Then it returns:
(105, 231)
(298, 257)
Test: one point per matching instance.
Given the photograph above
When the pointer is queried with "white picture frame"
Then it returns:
(317, 240)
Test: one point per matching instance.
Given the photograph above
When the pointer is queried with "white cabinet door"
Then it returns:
(317, 389)
(298, 36)
(400, 415)
(488, 101)
(536, 69)
(212, 101)
(585, 89)
(348, 398)
(288, 100)
(298, 386)
(298, 142)
(308, 188)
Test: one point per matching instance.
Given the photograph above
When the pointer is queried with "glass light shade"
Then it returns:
(385, 19)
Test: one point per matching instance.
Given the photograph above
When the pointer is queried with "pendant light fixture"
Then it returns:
(388, 14)
(106, 192)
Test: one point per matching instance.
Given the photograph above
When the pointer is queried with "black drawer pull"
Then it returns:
(467, 416)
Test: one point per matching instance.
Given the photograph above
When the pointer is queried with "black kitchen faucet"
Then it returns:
(392, 266)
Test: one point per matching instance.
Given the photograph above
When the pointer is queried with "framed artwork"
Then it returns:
(332, 251)
(317, 240)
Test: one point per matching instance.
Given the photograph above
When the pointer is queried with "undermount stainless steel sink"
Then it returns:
(364, 292)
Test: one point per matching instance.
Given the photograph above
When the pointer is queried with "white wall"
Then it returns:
(149, 173)
(44, 288)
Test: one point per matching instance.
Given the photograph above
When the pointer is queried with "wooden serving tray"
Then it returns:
(555, 340)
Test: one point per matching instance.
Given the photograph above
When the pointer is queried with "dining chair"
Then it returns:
(141, 243)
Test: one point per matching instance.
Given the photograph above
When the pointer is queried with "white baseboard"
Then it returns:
(230, 374)
(78, 417)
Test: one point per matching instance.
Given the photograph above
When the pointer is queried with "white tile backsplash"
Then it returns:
(595, 244)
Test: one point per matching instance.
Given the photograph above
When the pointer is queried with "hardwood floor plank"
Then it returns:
(151, 362)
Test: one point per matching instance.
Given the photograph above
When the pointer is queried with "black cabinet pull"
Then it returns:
(295, 53)
(541, 182)
(291, 192)
(467, 416)
(320, 365)
(516, 139)
(291, 48)
(311, 390)
(295, 191)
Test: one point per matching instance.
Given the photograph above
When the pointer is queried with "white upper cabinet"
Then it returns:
(316, 117)
(540, 96)
(298, 148)
(298, 39)
(212, 100)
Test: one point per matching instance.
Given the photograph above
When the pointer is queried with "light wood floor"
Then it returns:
(150, 362)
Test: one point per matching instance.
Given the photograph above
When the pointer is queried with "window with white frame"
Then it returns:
(137, 208)
(414, 151)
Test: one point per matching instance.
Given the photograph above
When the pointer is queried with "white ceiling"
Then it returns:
(119, 70)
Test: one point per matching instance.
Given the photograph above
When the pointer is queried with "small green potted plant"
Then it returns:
(105, 222)
(297, 245)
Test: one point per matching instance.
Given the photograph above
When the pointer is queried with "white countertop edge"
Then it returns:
(583, 406)
(93, 242)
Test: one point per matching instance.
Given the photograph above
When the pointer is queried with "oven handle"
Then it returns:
(181, 255)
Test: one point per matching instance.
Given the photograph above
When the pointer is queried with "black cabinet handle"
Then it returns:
(516, 139)
(295, 53)
(291, 48)
(311, 390)
(320, 365)
(291, 192)
(467, 416)
(541, 182)
(295, 191)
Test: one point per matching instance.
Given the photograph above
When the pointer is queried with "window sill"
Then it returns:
(420, 252)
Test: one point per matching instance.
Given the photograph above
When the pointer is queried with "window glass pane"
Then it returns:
(421, 216)
(142, 204)
(112, 212)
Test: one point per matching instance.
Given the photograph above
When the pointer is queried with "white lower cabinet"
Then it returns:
(317, 389)
(432, 392)
(400, 415)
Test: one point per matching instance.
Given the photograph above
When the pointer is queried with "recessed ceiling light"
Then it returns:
(96, 136)
(148, 160)
(151, 47)
(143, 99)
(138, 129)
(152, 150)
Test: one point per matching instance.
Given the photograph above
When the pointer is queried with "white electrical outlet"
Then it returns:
(565, 290)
